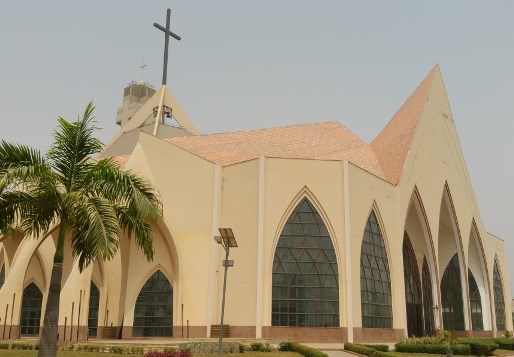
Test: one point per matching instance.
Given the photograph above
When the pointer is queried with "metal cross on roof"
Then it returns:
(167, 33)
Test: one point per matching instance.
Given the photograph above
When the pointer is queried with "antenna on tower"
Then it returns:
(142, 67)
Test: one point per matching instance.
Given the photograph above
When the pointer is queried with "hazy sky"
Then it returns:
(255, 64)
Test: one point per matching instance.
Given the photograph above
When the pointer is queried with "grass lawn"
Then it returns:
(405, 354)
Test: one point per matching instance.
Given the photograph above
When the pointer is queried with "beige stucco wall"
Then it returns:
(433, 202)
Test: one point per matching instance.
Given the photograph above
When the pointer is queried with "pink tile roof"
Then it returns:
(394, 142)
(326, 141)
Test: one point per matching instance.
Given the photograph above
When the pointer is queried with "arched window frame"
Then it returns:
(376, 297)
(30, 314)
(475, 303)
(499, 297)
(427, 299)
(452, 304)
(298, 303)
(93, 310)
(140, 326)
(413, 292)
(2, 276)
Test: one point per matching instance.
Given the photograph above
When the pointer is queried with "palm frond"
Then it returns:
(32, 210)
(74, 145)
(94, 226)
(125, 188)
(19, 164)
(142, 231)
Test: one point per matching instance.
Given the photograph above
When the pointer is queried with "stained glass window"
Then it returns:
(476, 303)
(499, 302)
(451, 297)
(31, 310)
(427, 300)
(412, 290)
(305, 283)
(94, 303)
(153, 313)
(376, 305)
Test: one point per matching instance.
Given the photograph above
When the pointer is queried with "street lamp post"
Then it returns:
(227, 241)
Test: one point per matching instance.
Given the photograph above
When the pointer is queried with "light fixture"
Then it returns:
(227, 241)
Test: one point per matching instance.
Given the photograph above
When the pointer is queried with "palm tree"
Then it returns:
(93, 202)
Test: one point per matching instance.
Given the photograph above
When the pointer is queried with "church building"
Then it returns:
(337, 239)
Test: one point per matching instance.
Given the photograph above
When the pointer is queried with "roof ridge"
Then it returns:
(274, 128)
(393, 142)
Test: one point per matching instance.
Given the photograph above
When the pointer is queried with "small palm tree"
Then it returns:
(92, 202)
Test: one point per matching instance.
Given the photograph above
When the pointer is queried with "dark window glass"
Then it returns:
(451, 297)
(2, 276)
(94, 303)
(412, 290)
(376, 305)
(305, 277)
(476, 303)
(153, 313)
(31, 310)
(499, 302)
(427, 300)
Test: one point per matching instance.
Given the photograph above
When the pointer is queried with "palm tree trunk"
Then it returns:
(49, 333)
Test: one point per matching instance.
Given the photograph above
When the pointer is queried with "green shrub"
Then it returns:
(360, 349)
(169, 349)
(382, 348)
(284, 346)
(117, 349)
(420, 348)
(209, 347)
(459, 349)
(480, 346)
(307, 351)
(377, 353)
(169, 354)
(429, 340)
(136, 350)
(242, 347)
(88, 348)
(4, 346)
(256, 346)
(23, 346)
(505, 343)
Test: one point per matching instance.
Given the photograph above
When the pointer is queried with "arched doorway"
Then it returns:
(153, 313)
(31, 310)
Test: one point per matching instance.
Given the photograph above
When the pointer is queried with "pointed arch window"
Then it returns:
(451, 297)
(499, 302)
(2, 276)
(376, 301)
(413, 300)
(427, 300)
(475, 303)
(153, 313)
(94, 303)
(305, 283)
(31, 310)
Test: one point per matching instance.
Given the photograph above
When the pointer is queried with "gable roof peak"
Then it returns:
(393, 143)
